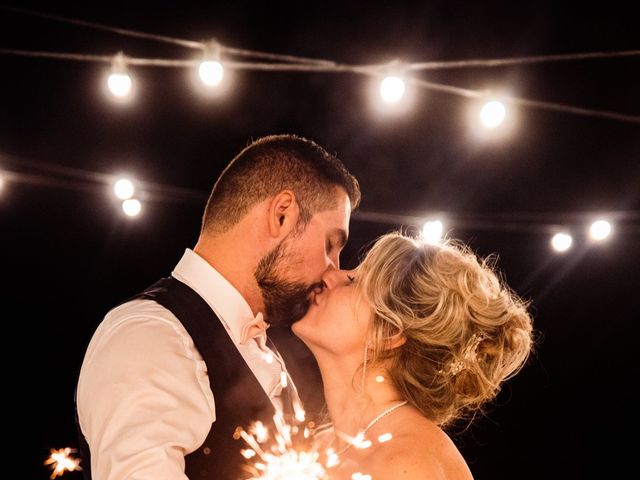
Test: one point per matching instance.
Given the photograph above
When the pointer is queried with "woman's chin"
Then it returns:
(296, 327)
(300, 328)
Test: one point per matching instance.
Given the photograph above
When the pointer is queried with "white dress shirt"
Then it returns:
(143, 396)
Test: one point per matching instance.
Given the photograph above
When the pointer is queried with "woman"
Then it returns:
(416, 337)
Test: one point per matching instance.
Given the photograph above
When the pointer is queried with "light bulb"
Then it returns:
(492, 114)
(600, 230)
(561, 242)
(432, 232)
(119, 84)
(392, 89)
(124, 189)
(211, 72)
(131, 207)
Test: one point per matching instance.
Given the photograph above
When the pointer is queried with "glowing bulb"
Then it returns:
(211, 73)
(492, 114)
(124, 189)
(561, 242)
(131, 207)
(392, 89)
(119, 84)
(600, 230)
(385, 437)
(379, 378)
(432, 232)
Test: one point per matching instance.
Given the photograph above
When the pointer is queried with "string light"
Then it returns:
(392, 88)
(53, 175)
(119, 82)
(432, 232)
(131, 207)
(211, 70)
(561, 242)
(600, 230)
(492, 114)
(294, 63)
(124, 189)
(311, 65)
(388, 89)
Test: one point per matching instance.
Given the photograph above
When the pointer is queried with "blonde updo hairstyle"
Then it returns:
(465, 331)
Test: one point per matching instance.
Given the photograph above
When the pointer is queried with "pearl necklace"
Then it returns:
(371, 424)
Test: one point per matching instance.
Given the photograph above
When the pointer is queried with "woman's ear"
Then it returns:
(283, 214)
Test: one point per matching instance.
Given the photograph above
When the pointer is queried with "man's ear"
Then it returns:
(283, 213)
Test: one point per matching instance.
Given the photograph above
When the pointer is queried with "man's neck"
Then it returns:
(225, 253)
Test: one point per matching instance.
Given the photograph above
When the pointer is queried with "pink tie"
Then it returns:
(253, 329)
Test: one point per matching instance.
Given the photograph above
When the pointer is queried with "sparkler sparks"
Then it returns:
(290, 452)
(286, 455)
(62, 461)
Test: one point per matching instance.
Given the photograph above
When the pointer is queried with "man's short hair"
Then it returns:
(270, 165)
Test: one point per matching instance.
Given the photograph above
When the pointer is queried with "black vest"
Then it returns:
(239, 398)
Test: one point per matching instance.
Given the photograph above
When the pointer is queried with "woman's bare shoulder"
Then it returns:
(422, 450)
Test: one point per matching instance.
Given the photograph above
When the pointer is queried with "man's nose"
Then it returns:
(334, 263)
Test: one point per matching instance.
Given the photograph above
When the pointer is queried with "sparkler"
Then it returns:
(289, 452)
(62, 461)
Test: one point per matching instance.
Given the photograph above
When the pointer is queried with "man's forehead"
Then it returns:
(342, 205)
(336, 217)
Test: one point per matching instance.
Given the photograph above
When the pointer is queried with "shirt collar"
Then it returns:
(220, 295)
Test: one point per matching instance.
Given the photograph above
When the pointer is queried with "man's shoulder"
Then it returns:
(136, 307)
(135, 313)
(135, 323)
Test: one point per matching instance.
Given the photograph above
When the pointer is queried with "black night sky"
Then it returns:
(69, 254)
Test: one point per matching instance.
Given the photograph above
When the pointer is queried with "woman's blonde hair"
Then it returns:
(465, 332)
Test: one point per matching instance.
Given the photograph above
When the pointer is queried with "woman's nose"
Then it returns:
(335, 278)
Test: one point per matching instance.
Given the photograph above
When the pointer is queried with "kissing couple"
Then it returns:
(414, 338)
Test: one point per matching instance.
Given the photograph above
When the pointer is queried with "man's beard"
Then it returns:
(285, 302)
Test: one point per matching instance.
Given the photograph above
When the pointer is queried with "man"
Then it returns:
(170, 374)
